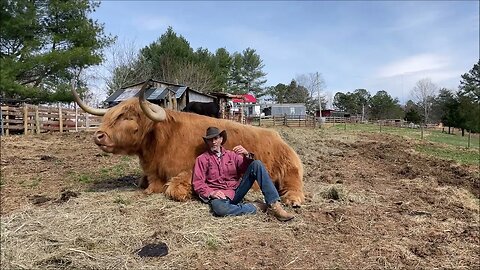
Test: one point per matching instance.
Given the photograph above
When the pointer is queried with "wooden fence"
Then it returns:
(29, 119)
(339, 119)
(285, 120)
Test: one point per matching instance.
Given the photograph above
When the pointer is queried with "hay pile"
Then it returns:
(106, 230)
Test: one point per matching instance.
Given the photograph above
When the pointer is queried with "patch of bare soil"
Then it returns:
(372, 202)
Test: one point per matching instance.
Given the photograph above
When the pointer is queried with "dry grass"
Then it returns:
(371, 204)
(100, 231)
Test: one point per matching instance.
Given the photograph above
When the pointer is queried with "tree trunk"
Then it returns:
(463, 132)
(448, 130)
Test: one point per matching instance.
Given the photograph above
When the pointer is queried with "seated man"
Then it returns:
(222, 177)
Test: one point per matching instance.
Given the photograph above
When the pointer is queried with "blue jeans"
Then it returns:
(255, 171)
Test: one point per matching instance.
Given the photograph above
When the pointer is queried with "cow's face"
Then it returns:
(124, 126)
(122, 129)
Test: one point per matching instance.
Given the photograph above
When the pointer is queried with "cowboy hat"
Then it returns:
(213, 132)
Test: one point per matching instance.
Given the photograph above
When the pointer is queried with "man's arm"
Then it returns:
(244, 159)
(199, 180)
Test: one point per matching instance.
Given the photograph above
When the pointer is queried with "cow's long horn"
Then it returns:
(153, 111)
(85, 107)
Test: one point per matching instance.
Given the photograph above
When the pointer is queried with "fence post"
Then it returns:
(285, 119)
(421, 134)
(7, 122)
(1, 120)
(25, 119)
(76, 117)
(469, 138)
(380, 123)
(37, 120)
(60, 117)
(345, 126)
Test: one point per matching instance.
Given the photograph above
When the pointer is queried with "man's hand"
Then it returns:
(218, 194)
(240, 150)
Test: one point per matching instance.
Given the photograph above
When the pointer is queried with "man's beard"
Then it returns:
(215, 149)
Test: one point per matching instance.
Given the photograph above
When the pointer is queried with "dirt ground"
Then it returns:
(372, 202)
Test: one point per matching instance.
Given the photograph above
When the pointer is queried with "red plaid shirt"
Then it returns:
(223, 173)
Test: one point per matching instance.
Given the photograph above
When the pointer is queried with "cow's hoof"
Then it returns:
(293, 198)
(153, 188)
(178, 193)
(147, 191)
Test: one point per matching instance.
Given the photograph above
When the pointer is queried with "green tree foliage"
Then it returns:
(167, 56)
(222, 66)
(458, 110)
(412, 113)
(292, 93)
(44, 45)
(383, 106)
(354, 102)
(470, 83)
(468, 113)
(236, 83)
(296, 93)
(171, 59)
(449, 107)
(342, 101)
(246, 74)
(469, 99)
(277, 93)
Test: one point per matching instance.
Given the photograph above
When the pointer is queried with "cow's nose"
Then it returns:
(99, 136)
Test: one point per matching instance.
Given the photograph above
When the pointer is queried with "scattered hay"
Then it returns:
(371, 203)
(100, 231)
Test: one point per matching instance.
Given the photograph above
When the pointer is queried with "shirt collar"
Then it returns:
(222, 151)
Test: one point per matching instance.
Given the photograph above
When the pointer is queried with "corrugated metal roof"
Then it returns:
(157, 93)
(150, 94)
(179, 91)
(127, 93)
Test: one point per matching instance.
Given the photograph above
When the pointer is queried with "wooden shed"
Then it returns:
(160, 93)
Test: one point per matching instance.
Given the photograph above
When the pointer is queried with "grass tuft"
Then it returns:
(334, 193)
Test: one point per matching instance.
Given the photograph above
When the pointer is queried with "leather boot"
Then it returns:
(276, 209)
(261, 206)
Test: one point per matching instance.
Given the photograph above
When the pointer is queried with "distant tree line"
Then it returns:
(172, 59)
(459, 109)
(46, 46)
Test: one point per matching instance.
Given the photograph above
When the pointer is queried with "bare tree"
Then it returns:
(124, 66)
(195, 76)
(423, 93)
(315, 84)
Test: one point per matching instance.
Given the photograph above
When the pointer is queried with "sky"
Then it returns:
(374, 45)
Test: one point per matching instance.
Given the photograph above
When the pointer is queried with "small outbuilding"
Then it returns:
(160, 93)
(297, 109)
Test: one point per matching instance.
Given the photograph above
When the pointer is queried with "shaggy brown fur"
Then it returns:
(167, 149)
